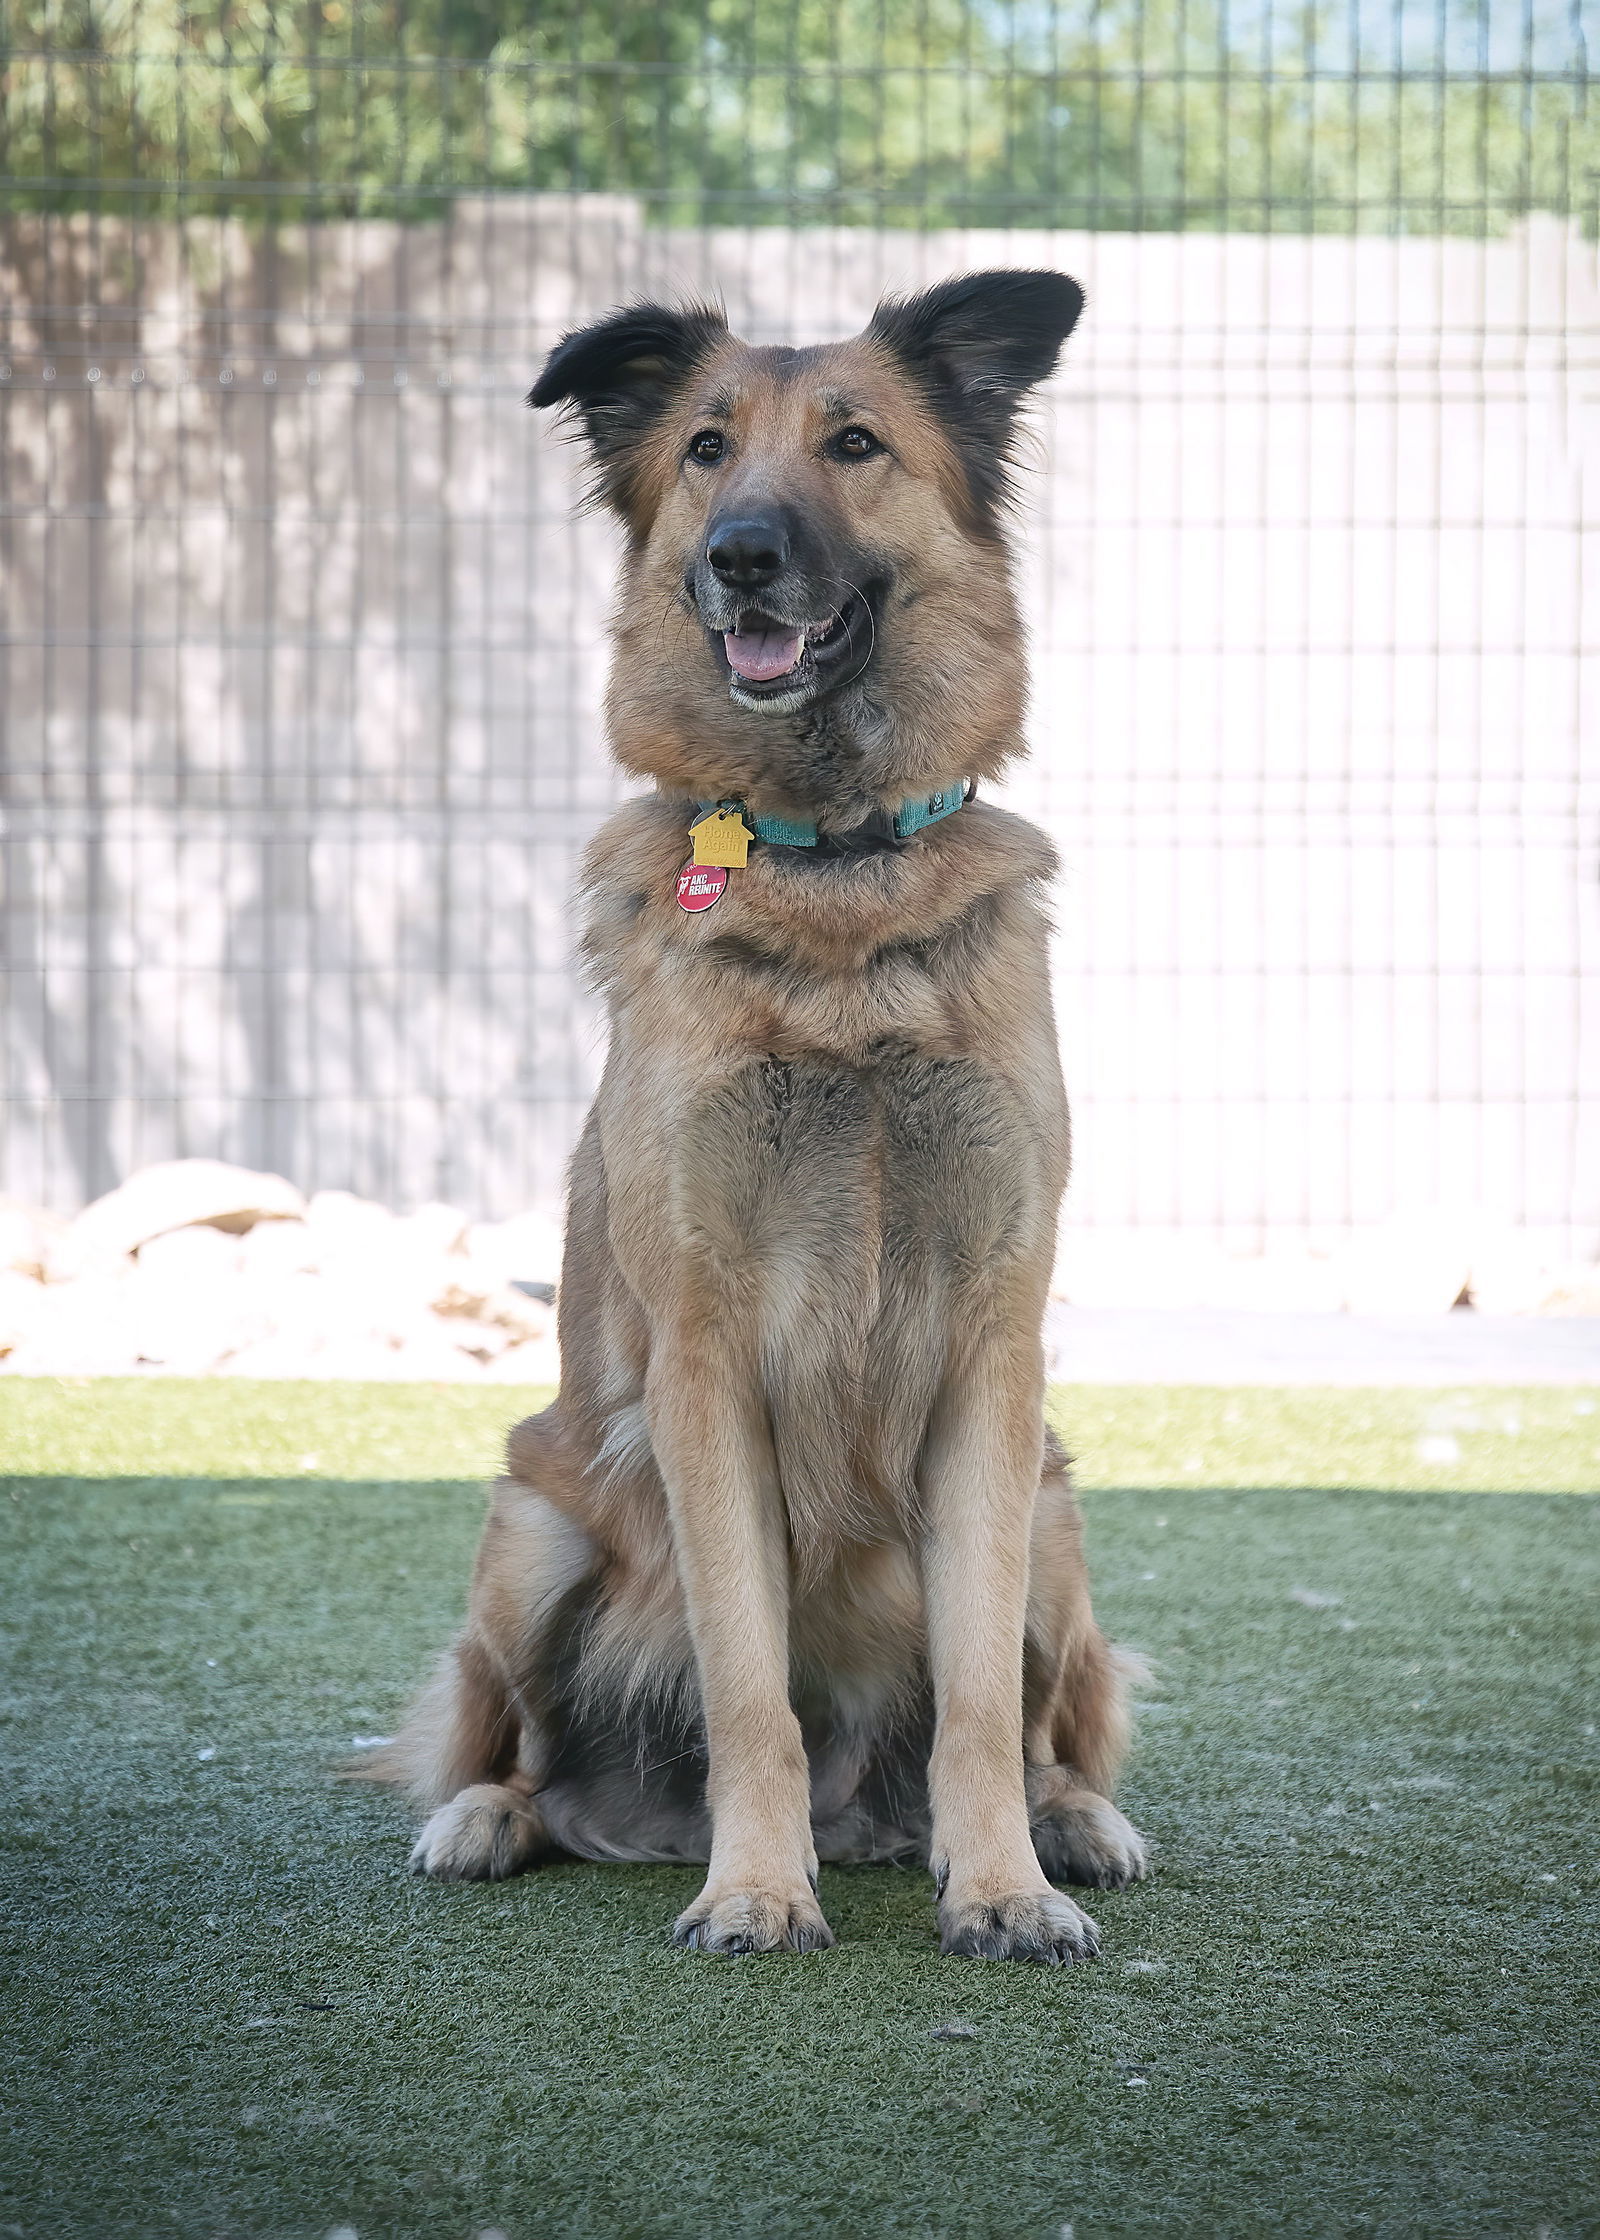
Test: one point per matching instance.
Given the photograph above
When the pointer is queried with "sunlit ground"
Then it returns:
(1501, 1439)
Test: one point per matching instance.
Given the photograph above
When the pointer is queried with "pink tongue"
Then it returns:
(762, 654)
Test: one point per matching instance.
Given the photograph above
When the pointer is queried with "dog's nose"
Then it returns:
(749, 552)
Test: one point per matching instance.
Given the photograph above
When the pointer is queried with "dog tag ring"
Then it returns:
(721, 837)
(700, 885)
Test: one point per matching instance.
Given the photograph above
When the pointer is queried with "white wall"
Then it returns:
(303, 654)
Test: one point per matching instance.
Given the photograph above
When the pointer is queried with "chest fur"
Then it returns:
(860, 1216)
(903, 1157)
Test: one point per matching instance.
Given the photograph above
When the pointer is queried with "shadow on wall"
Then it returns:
(304, 652)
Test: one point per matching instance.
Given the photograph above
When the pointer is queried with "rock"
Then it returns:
(1574, 1289)
(1276, 1283)
(177, 1194)
(279, 1248)
(338, 1306)
(81, 1329)
(1406, 1267)
(536, 1361)
(1422, 1265)
(526, 1248)
(1517, 1276)
(21, 1300)
(496, 1306)
(203, 1257)
(421, 1352)
(289, 1353)
(187, 1319)
(28, 1238)
(1134, 1268)
(386, 1262)
(1165, 1269)
(437, 1347)
(1509, 1275)
(175, 1274)
(432, 1231)
(348, 1227)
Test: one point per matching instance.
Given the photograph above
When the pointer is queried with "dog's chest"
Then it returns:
(852, 1197)
(860, 1214)
(807, 1168)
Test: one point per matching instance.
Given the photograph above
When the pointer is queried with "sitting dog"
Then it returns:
(792, 1569)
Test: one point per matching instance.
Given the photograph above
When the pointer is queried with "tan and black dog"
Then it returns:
(791, 1571)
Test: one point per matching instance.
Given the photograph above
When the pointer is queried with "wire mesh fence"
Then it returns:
(302, 645)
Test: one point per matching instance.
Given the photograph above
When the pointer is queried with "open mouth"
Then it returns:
(767, 658)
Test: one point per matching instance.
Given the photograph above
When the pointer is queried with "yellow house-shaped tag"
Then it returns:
(721, 837)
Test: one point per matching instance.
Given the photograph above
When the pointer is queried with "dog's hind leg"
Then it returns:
(1077, 1831)
(470, 1754)
(1076, 1707)
(474, 1747)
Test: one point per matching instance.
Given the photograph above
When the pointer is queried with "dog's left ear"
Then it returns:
(978, 345)
(619, 375)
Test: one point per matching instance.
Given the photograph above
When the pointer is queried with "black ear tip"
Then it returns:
(554, 384)
(647, 337)
(1007, 305)
(1053, 298)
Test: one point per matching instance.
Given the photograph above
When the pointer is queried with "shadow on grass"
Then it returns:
(1358, 1994)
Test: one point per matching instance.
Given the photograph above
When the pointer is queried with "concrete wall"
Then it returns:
(301, 656)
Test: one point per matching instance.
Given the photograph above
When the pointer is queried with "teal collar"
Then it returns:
(800, 832)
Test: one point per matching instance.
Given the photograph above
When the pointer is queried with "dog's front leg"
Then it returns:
(708, 1426)
(979, 1482)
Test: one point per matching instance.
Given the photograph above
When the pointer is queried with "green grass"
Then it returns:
(1541, 1439)
(1360, 1991)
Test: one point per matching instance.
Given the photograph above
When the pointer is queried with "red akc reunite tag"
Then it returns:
(701, 884)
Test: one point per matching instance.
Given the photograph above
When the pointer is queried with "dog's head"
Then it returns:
(815, 534)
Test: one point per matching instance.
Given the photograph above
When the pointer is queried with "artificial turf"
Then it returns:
(1358, 1996)
(1535, 1439)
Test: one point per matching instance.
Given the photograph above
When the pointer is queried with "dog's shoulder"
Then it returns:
(629, 865)
(1013, 848)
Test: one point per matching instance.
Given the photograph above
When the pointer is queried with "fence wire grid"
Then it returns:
(302, 642)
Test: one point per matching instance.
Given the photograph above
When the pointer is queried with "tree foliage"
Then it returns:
(1112, 113)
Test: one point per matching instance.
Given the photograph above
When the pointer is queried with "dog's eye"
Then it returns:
(856, 443)
(707, 447)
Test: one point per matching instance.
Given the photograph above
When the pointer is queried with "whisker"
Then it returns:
(872, 622)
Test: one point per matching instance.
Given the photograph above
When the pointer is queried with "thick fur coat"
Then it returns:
(791, 1570)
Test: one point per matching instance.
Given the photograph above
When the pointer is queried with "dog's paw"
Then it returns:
(1038, 1925)
(1081, 1837)
(482, 1835)
(748, 1920)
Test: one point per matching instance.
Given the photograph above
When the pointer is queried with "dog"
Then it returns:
(792, 1571)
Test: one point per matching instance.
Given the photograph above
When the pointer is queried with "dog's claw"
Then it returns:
(1038, 1926)
(738, 1923)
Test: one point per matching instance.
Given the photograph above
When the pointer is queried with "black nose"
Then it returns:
(748, 553)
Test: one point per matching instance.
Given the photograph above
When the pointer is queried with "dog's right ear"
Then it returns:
(976, 345)
(617, 377)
